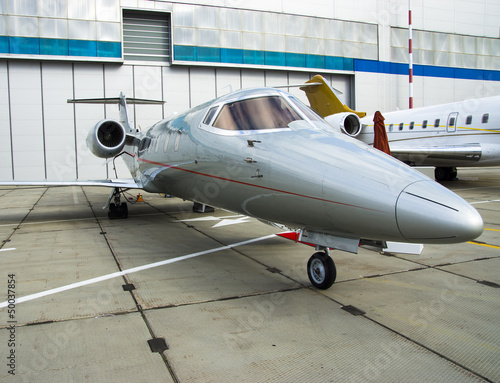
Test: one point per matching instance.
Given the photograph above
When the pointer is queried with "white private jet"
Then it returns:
(465, 134)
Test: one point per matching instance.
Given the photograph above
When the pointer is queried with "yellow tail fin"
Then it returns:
(324, 100)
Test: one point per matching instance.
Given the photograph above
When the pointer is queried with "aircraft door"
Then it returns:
(451, 125)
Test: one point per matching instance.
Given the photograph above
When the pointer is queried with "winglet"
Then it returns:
(323, 99)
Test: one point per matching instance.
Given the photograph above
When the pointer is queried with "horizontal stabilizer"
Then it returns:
(299, 85)
(115, 100)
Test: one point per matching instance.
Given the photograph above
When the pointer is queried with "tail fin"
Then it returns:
(122, 104)
(324, 100)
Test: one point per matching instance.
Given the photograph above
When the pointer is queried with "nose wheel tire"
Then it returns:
(321, 270)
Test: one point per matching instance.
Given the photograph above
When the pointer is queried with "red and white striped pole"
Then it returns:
(410, 53)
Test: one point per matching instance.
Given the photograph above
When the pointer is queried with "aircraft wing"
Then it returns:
(127, 183)
(466, 153)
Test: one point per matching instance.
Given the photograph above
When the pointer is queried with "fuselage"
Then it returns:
(457, 134)
(264, 154)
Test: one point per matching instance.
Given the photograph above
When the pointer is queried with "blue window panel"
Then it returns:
(184, 53)
(4, 44)
(275, 58)
(348, 64)
(491, 75)
(336, 63)
(54, 47)
(232, 56)
(109, 49)
(402, 69)
(469, 74)
(438, 71)
(418, 70)
(254, 57)
(295, 60)
(365, 65)
(208, 54)
(82, 48)
(24, 45)
(315, 61)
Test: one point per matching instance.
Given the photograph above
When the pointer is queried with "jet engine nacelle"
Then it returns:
(347, 123)
(107, 139)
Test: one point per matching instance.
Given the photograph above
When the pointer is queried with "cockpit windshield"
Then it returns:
(260, 113)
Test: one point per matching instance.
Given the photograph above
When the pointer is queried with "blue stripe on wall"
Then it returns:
(59, 47)
(425, 70)
(252, 57)
(297, 60)
(87, 48)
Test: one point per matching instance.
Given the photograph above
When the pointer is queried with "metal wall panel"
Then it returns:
(202, 85)
(57, 87)
(53, 28)
(227, 80)
(53, 8)
(5, 148)
(82, 10)
(118, 79)
(252, 78)
(148, 84)
(108, 10)
(26, 119)
(23, 7)
(88, 83)
(176, 90)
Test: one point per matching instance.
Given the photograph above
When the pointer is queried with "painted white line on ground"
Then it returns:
(493, 200)
(132, 270)
(12, 248)
(72, 220)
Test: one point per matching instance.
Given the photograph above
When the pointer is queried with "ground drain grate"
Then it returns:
(128, 287)
(157, 344)
(353, 310)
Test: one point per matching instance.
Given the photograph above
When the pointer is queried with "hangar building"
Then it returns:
(190, 51)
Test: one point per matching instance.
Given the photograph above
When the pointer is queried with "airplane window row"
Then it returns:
(468, 121)
(412, 125)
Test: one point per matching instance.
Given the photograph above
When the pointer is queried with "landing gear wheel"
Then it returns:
(445, 174)
(118, 211)
(321, 270)
(124, 210)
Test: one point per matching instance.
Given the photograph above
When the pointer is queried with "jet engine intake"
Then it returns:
(347, 123)
(107, 139)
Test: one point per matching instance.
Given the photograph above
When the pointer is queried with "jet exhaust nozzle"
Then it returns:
(107, 139)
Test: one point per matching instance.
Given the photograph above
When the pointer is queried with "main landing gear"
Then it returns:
(321, 269)
(445, 174)
(117, 209)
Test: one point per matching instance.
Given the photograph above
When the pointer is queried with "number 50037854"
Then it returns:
(11, 295)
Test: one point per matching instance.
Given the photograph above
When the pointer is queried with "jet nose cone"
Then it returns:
(426, 212)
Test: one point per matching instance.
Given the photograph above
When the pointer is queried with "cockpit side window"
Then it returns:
(261, 113)
(210, 115)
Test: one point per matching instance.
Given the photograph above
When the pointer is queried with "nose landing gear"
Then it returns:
(321, 270)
